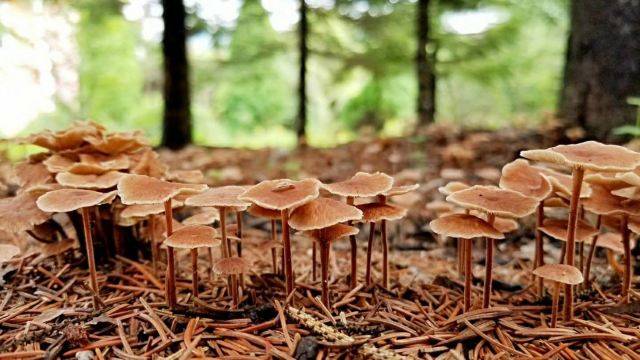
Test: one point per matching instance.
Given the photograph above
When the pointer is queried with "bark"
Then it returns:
(176, 129)
(602, 66)
(303, 32)
(425, 66)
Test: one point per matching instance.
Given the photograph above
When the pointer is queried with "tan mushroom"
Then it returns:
(558, 274)
(452, 187)
(273, 216)
(20, 213)
(103, 181)
(234, 267)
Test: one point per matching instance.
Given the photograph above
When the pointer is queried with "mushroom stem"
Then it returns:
(615, 265)
(461, 247)
(223, 231)
(210, 259)
(154, 248)
(353, 280)
(234, 290)
(385, 251)
(488, 275)
(273, 250)
(86, 225)
(194, 272)
(239, 242)
(555, 304)
(626, 280)
(324, 260)
(592, 251)
(170, 281)
(313, 262)
(372, 235)
(467, 243)
(577, 176)
(286, 243)
(539, 251)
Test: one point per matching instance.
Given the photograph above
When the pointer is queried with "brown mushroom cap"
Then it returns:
(117, 143)
(631, 192)
(464, 226)
(7, 251)
(361, 185)
(71, 138)
(103, 181)
(144, 210)
(439, 206)
(259, 211)
(231, 266)
(630, 177)
(561, 273)
(557, 229)
(141, 189)
(20, 213)
(192, 237)
(526, 179)
(563, 183)
(332, 233)
(58, 163)
(603, 202)
(149, 164)
(609, 240)
(501, 224)
(401, 190)
(65, 200)
(590, 155)
(555, 202)
(452, 187)
(282, 194)
(95, 164)
(491, 199)
(321, 213)
(186, 176)
(610, 181)
(27, 175)
(206, 217)
(374, 212)
(223, 196)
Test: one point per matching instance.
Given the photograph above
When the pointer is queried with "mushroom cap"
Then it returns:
(65, 200)
(207, 217)
(58, 163)
(270, 244)
(555, 202)
(21, 213)
(590, 155)
(192, 237)
(452, 187)
(223, 196)
(609, 240)
(143, 210)
(149, 164)
(464, 226)
(231, 266)
(332, 233)
(633, 225)
(361, 185)
(610, 181)
(557, 229)
(503, 225)
(97, 164)
(562, 183)
(631, 192)
(321, 213)
(259, 211)
(69, 139)
(519, 176)
(282, 194)
(630, 177)
(186, 176)
(439, 206)
(491, 199)
(117, 143)
(374, 212)
(28, 175)
(103, 181)
(561, 273)
(401, 190)
(142, 189)
(603, 202)
(7, 251)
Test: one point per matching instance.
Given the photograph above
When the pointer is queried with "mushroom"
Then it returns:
(204, 217)
(452, 187)
(465, 227)
(145, 190)
(283, 195)
(66, 200)
(613, 243)
(373, 213)
(20, 213)
(232, 266)
(495, 202)
(191, 238)
(103, 181)
(319, 218)
(273, 216)
(588, 155)
(557, 229)
(559, 274)
(359, 185)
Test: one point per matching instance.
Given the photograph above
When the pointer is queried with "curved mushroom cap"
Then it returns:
(65, 200)
(149, 164)
(361, 185)
(561, 273)
(557, 229)
(93, 164)
(259, 211)
(556, 202)
(632, 193)
(142, 189)
(223, 196)
(143, 210)
(602, 202)
(71, 138)
(332, 233)
(231, 266)
(401, 190)
(609, 240)
(192, 237)
(439, 206)
(503, 225)
(207, 217)
(58, 163)
(103, 181)
(452, 187)
(321, 213)
(7, 251)
(374, 212)
(27, 175)
(464, 226)
(610, 181)
(526, 179)
(590, 155)
(117, 143)
(186, 176)
(563, 183)
(282, 194)
(491, 199)
(630, 177)
(21, 213)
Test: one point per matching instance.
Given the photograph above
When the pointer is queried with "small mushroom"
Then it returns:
(232, 266)
(452, 187)
(558, 274)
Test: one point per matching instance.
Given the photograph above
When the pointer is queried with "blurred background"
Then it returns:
(258, 73)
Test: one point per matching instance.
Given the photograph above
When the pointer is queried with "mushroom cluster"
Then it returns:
(598, 191)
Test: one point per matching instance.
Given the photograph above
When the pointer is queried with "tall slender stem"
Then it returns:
(353, 280)
(626, 281)
(194, 272)
(170, 278)
(223, 231)
(385, 251)
(372, 235)
(239, 243)
(555, 304)
(539, 252)
(86, 224)
(577, 176)
(286, 243)
(313, 261)
(154, 247)
(488, 275)
(324, 260)
(461, 247)
(234, 290)
(592, 250)
(273, 250)
(468, 275)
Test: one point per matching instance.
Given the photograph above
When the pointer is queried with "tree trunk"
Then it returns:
(303, 30)
(425, 66)
(176, 129)
(602, 66)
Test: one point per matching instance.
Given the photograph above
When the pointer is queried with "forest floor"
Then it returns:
(46, 310)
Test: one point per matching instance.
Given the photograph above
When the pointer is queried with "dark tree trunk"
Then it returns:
(602, 66)
(425, 66)
(176, 129)
(303, 31)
